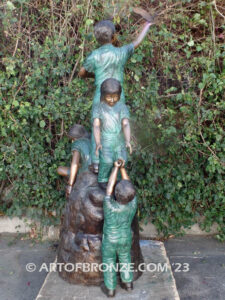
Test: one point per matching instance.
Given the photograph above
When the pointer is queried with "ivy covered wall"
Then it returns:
(174, 85)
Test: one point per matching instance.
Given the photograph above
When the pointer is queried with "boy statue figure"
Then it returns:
(111, 129)
(108, 61)
(117, 234)
(81, 150)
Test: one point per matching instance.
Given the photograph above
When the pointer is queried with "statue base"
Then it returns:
(156, 283)
(81, 234)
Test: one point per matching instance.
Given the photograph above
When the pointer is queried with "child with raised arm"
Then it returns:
(108, 61)
(117, 235)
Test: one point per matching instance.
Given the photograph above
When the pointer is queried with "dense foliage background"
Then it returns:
(175, 86)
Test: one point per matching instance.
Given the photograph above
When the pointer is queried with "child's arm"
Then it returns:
(124, 173)
(113, 178)
(73, 171)
(126, 131)
(83, 73)
(87, 70)
(142, 34)
(97, 135)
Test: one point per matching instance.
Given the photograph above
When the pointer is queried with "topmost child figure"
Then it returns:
(108, 61)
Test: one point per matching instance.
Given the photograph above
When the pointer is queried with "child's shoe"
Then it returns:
(109, 293)
(128, 286)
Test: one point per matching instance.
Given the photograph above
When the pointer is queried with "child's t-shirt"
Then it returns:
(108, 62)
(118, 218)
(83, 146)
(111, 121)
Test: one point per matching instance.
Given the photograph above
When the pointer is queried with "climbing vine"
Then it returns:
(174, 88)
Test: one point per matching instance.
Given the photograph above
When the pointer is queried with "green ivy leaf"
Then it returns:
(191, 43)
(10, 5)
(42, 123)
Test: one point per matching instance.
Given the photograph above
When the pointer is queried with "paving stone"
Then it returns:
(204, 279)
(15, 282)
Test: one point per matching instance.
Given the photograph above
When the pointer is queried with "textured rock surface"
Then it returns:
(81, 231)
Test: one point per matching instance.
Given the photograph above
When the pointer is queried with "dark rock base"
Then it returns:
(81, 234)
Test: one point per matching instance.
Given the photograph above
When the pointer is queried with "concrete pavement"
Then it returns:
(15, 282)
(198, 264)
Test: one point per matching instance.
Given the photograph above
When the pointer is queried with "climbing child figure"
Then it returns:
(119, 212)
(111, 129)
(81, 155)
(108, 61)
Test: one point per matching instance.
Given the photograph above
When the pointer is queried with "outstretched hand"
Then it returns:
(68, 190)
(144, 14)
(118, 163)
(128, 145)
(122, 161)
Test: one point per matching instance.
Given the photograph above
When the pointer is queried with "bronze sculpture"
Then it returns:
(106, 62)
(80, 149)
(117, 236)
(111, 128)
(88, 194)
(81, 232)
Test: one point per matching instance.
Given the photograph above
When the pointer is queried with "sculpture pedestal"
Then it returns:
(157, 284)
(81, 232)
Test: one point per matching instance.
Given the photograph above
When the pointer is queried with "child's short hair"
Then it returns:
(110, 86)
(77, 131)
(104, 31)
(124, 191)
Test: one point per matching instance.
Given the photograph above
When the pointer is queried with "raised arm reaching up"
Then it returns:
(149, 21)
(112, 178)
(141, 35)
(124, 173)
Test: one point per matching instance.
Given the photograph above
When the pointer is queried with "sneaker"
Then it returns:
(128, 286)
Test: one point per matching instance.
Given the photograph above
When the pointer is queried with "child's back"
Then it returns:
(118, 218)
(108, 62)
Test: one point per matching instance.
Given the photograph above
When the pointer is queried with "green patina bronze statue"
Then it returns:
(111, 128)
(117, 235)
(106, 62)
(105, 153)
(81, 155)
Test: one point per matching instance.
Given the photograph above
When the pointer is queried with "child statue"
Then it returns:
(111, 128)
(108, 61)
(117, 234)
(81, 150)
